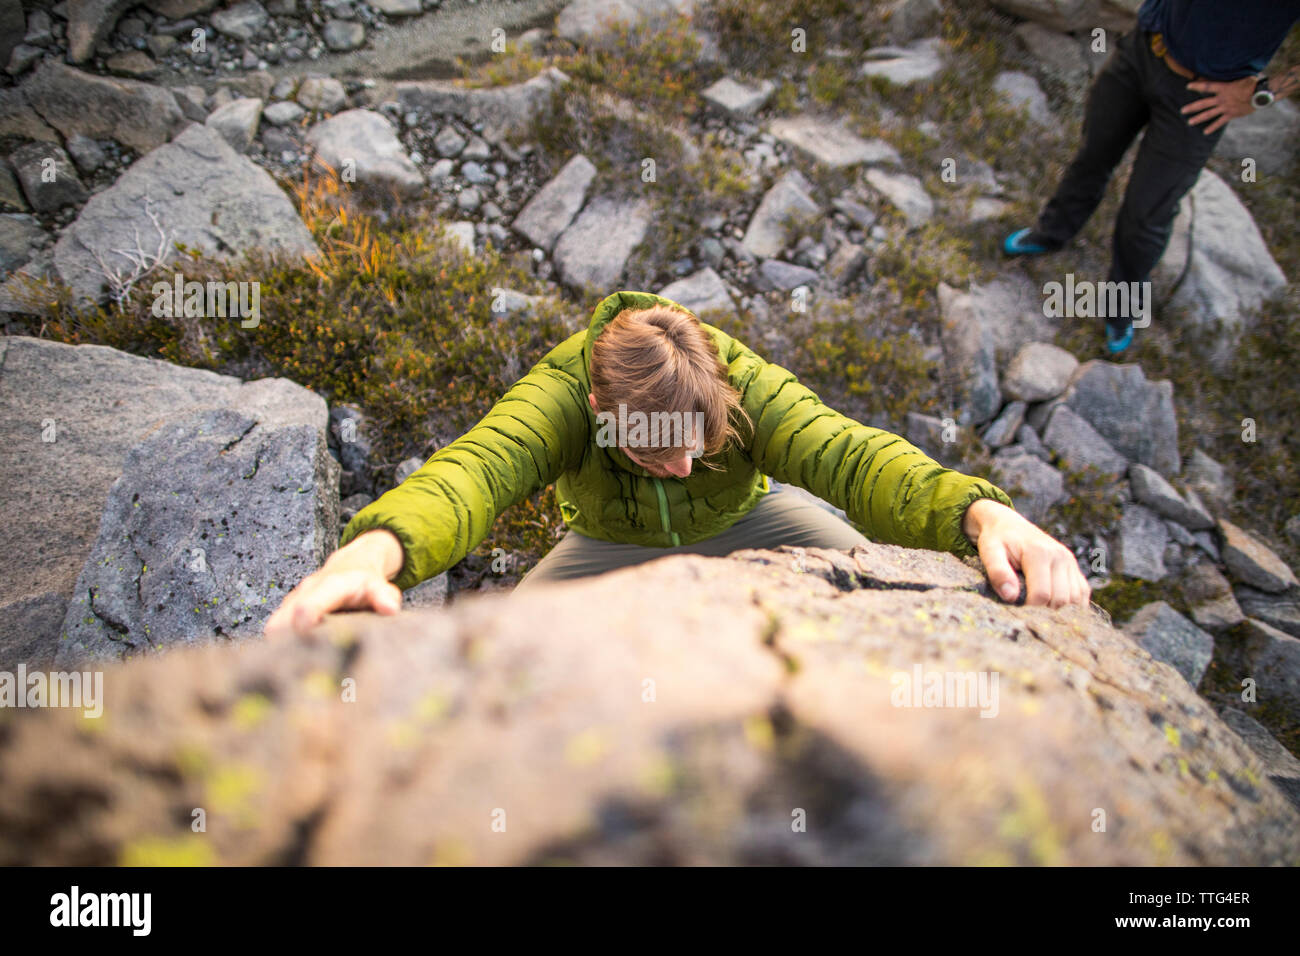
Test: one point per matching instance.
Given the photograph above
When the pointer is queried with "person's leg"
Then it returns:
(578, 556)
(1116, 112)
(1168, 162)
(784, 518)
(780, 517)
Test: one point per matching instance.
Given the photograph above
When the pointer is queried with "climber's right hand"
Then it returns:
(353, 578)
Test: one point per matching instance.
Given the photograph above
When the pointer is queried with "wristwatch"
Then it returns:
(1262, 96)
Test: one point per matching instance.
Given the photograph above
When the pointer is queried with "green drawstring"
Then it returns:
(663, 512)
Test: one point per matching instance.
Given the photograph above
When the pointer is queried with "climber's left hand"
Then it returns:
(1007, 542)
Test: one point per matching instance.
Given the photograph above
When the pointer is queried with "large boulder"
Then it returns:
(69, 416)
(1033, 484)
(551, 210)
(139, 115)
(585, 21)
(195, 190)
(1266, 136)
(1168, 636)
(501, 109)
(216, 516)
(89, 22)
(1133, 414)
(970, 354)
(1064, 15)
(701, 292)
(1217, 266)
(783, 208)
(365, 143)
(801, 706)
(831, 143)
(595, 248)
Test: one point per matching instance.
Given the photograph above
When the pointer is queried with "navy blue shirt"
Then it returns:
(1221, 39)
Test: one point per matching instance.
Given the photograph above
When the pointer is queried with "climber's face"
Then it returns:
(679, 468)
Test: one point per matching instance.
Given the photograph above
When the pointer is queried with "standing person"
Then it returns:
(628, 498)
(1185, 71)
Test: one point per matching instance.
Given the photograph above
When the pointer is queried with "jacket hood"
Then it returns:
(611, 306)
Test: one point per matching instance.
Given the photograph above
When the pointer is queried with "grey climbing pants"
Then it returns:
(781, 517)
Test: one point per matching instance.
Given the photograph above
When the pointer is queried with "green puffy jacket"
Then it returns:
(542, 431)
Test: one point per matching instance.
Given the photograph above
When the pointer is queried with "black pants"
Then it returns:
(1135, 89)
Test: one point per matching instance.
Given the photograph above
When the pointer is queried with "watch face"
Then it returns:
(1262, 97)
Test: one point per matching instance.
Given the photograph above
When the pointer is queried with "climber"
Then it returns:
(706, 493)
(1154, 78)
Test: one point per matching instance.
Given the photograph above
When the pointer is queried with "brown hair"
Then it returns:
(660, 359)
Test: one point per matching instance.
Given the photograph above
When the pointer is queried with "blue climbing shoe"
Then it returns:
(1117, 342)
(1019, 244)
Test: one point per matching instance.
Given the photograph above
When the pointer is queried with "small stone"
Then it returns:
(1209, 597)
(1252, 562)
(343, 35)
(469, 199)
(739, 99)
(1151, 489)
(1003, 429)
(85, 152)
(47, 176)
(322, 94)
(448, 142)
(242, 21)
(784, 276)
(477, 148)
(284, 113)
(1141, 543)
(1038, 372)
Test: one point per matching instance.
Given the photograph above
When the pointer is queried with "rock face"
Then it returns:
(214, 520)
(70, 416)
(203, 194)
(777, 726)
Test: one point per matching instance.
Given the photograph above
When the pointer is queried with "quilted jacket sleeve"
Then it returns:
(531, 436)
(886, 485)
